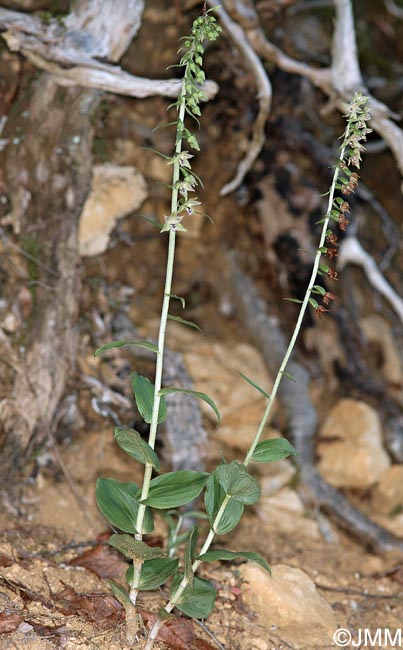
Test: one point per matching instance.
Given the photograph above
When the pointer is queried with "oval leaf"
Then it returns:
(237, 483)
(194, 393)
(174, 489)
(154, 572)
(133, 444)
(222, 554)
(268, 451)
(213, 498)
(133, 548)
(143, 391)
(121, 344)
(118, 503)
(197, 600)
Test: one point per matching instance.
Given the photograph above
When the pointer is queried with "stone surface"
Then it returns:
(378, 332)
(350, 446)
(288, 605)
(388, 500)
(214, 369)
(116, 192)
(284, 512)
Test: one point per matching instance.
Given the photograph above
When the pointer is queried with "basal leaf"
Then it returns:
(237, 483)
(154, 572)
(118, 502)
(189, 323)
(213, 499)
(255, 385)
(121, 344)
(197, 600)
(223, 554)
(268, 451)
(143, 391)
(194, 393)
(133, 548)
(133, 444)
(174, 489)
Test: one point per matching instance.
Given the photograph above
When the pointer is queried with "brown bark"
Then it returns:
(48, 171)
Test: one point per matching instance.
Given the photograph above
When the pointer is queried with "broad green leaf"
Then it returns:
(213, 498)
(121, 344)
(254, 384)
(118, 502)
(237, 483)
(189, 323)
(223, 554)
(197, 600)
(143, 391)
(154, 572)
(194, 393)
(174, 489)
(134, 548)
(133, 444)
(268, 451)
(190, 548)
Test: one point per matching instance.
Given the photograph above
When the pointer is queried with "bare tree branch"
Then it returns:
(351, 252)
(68, 54)
(238, 36)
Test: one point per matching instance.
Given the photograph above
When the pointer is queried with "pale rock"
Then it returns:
(10, 323)
(289, 604)
(275, 475)
(284, 512)
(377, 330)
(350, 446)
(116, 192)
(388, 500)
(214, 370)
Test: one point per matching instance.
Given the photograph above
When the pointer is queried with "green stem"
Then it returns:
(185, 581)
(161, 341)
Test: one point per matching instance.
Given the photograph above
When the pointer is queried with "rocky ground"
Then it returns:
(54, 560)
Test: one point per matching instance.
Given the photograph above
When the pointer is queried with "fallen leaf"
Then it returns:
(100, 608)
(103, 561)
(9, 622)
(177, 632)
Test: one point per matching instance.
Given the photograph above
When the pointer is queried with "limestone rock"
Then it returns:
(284, 512)
(388, 500)
(350, 447)
(288, 604)
(214, 369)
(116, 191)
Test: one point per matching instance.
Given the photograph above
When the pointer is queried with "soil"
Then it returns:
(54, 559)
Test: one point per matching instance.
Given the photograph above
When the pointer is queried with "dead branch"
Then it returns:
(340, 80)
(71, 58)
(351, 252)
(264, 95)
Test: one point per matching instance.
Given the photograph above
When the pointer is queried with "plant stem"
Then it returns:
(185, 581)
(161, 341)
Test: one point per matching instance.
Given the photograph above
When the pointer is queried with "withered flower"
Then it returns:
(332, 275)
(332, 239)
(332, 253)
(343, 222)
(328, 297)
(320, 310)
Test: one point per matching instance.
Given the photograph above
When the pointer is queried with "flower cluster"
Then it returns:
(346, 182)
(204, 27)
